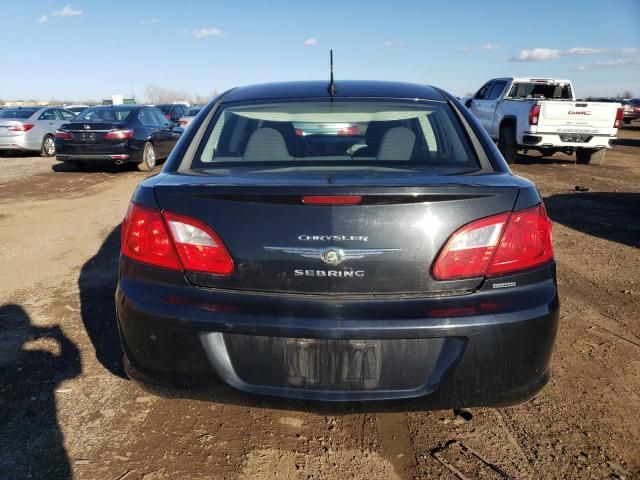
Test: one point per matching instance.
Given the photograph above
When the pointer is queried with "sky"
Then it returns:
(94, 49)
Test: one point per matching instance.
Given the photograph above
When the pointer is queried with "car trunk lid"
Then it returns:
(384, 244)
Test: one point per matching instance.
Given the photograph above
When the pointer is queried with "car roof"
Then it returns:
(344, 89)
(132, 106)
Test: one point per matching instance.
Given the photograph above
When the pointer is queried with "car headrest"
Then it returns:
(266, 144)
(397, 144)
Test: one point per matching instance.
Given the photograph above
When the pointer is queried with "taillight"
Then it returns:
(199, 248)
(349, 131)
(331, 199)
(23, 127)
(172, 241)
(145, 238)
(183, 123)
(534, 114)
(496, 245)
(63, 134)
(168, 116)
(118, 135)
(619, 117)
(470, 249)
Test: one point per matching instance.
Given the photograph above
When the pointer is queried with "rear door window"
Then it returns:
(339, 132)
(48, 114)
(496, 90)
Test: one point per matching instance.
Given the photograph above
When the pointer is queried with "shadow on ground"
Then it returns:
(538, 159)
(67, 167)
(627, 142)
(33, 362)
(97, 285)
(609, 215)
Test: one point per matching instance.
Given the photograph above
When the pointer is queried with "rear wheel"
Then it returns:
(48, 148)
(507, 143)
(148, 158)
(590, 156)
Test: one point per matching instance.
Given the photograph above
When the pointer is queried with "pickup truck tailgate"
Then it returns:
(579, 114)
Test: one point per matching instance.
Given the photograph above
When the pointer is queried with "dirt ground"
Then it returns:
(68, 411)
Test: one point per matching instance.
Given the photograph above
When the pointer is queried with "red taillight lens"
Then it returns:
(331, 199)
(469, 250)
(118, 134)
(495, 245)
(168, 116)
(199, 248)
(145, 238)
(526, 243)
(64, 135)
(172, 241)
(349, 131)
(23, 127)
(183, 123)
(534, 114)
(619, 117)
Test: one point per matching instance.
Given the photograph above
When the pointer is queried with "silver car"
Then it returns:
(31, 128)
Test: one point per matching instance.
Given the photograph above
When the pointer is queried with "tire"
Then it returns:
(590, 156)
(507, 144)
(149, 159)
(48, 148)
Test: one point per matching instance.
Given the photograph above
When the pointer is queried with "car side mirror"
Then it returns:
(468, 102)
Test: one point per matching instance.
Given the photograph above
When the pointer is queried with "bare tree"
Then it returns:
(157, 94)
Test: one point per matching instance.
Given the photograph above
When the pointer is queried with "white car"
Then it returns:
(31, 128)
(542, 114)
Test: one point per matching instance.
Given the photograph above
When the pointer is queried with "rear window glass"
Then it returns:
(193, 112)
(339, 132)
(17, 112)
(556, 91)
(108, 114)
(165, 108)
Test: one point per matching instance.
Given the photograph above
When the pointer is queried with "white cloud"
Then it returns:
(620, 62)
(42, 19)
(150, 21)
(489, 46)
(311, 42)
(535, 55)
(580, 51)
(207, 32)
(66, 11)
(393, 44)
(626, 51)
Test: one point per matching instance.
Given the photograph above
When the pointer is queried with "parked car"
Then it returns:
(542, 114)
(190, 115)
(631, 110)
(416, 266)
(173, 111)
(31, 128)
(117, 134)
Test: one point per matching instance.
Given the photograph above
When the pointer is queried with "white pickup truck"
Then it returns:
(542, 114)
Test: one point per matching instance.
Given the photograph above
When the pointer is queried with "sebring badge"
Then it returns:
(332, 255)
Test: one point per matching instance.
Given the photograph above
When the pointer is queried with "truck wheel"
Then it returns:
(507, 144)
(48, 148)
(590, 156)
(148, 162)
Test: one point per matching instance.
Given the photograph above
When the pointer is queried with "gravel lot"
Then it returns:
(68, 411)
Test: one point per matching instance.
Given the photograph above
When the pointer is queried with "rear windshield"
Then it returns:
(164, 108)
(339, 132)
(17, 112)
(556, 91)
(193, 111)
(108, 114)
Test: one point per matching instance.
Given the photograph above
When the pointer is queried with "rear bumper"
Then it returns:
(122, 152)
(19, 142)
(180, 336)
(553, 140)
